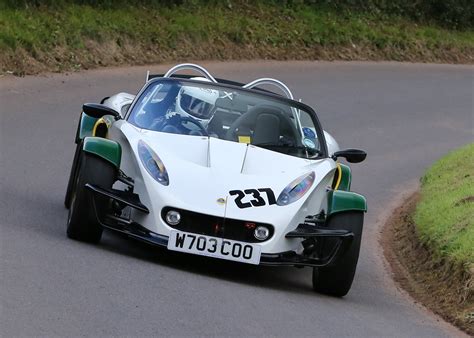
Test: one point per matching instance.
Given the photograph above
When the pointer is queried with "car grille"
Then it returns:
(209, 225)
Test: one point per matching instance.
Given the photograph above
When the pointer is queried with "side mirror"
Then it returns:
(351, 155)
(98, 110)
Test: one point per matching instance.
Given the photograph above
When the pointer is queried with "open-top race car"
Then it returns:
(221, 169)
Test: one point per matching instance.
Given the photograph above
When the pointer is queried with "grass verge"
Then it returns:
(445, 215)
(35, 39)
(430, 240)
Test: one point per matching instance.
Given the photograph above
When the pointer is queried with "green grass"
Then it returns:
(62, 36)
(445, 215)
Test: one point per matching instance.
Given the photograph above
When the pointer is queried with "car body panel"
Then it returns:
(340, 201)
(346, 177)
(203, 171)
(120, 102)
(107, 149)
(86, 126)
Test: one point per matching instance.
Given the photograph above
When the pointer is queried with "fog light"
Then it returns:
(261, 233)
(173, 217)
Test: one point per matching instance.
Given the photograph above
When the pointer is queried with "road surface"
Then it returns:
(404, 115)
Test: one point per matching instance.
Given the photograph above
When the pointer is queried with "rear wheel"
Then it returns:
(82, 221)
(336, 280)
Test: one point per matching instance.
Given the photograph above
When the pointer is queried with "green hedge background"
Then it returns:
(453, 14)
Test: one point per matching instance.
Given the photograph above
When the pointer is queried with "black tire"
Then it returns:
(82, 222)
(336, 280)
(72, 176)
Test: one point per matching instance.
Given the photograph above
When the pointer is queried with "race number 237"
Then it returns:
(256, 200)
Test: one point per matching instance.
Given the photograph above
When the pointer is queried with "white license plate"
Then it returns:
(214, 247)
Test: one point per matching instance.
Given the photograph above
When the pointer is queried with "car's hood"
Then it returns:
(203, 170)
(213, 154)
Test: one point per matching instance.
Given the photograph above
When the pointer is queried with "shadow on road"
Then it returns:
(278, 278)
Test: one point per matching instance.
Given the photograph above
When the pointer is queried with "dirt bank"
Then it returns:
(446, 289)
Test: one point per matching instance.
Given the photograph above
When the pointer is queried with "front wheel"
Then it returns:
(72, 176)
(336, 280)
(82, 223)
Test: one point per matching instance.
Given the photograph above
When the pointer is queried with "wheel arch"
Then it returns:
(91, 126)
(108, 150)
(342, 201)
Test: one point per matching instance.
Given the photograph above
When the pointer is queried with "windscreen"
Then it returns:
(186, 107)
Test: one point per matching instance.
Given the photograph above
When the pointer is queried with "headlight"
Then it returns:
(152, 163)
(296, 189)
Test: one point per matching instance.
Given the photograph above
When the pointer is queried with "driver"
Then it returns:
(196, 103)
(184, 110)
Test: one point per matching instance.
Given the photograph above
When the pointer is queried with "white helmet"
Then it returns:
(197, 102)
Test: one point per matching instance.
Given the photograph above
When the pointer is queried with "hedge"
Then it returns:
(453, 14)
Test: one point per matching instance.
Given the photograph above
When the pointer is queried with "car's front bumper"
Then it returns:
(289, 258)
(309, 233)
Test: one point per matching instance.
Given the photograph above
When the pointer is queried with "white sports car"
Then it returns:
(221, 169)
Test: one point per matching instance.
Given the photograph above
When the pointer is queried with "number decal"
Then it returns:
(257, 200)
(270, 195)
(238, 199)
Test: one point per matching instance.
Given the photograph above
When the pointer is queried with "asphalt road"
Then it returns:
(405, 116)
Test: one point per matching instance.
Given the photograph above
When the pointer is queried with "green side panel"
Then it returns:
(86, 125)
(346, 178)
(107, 149)
(339, 201)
